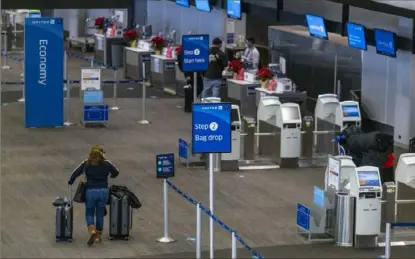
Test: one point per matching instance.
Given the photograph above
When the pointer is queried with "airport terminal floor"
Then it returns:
(36, 163)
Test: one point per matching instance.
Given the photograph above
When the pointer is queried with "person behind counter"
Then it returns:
(212, 79)
(251, 54)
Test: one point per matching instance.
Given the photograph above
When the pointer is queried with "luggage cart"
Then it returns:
(87, 42)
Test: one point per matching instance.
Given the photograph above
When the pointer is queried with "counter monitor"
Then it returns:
(234, 9)
(316, 27)
(385, 42)
(368, 178)
(350, 111)
(184, 3)
(93, 96)
(290, 113)
(203, 5)
(356, 36)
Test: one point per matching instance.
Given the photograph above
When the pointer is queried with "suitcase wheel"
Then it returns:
(126, 238)
(111, 238)
(70, 240)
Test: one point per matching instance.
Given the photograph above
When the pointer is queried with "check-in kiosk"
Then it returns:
(365, 186)
(268, 110)
(325, 123)
(348, 113)
(289, 128)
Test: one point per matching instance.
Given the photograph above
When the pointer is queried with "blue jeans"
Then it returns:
(95, 202)
(211, 87)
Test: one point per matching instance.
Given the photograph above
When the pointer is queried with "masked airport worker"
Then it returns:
(251, 54)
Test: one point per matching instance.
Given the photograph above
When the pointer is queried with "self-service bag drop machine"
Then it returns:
(268, 109)
(348, 113)
(325, 112)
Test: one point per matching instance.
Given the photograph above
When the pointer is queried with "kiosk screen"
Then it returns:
(370, 178)
(290, 113)
(93, 96)
(234, 115)
(350, 111)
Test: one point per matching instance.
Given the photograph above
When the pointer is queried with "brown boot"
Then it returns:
(98, 236)
(92, 234)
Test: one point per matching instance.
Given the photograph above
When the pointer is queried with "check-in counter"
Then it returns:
(163, 73)
(103, 48)
(133, 63)
(242, 93)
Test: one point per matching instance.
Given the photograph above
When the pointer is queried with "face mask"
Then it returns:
(246, 46)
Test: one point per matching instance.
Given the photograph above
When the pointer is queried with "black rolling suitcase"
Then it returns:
(64, 220)
(120, 218)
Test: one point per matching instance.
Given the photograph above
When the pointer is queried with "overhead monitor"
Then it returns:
(184, 3)
(203, 5)
(385, 42)
(368, 178)
(290, 113)
(316, 26)
(356, 36)
(351, 111)
(93, 96)
(234, 9)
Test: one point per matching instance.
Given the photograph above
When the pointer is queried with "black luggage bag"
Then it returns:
(120, 218)
(64, 219)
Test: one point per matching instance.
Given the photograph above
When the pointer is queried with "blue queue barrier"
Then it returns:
(202, 208)
(388, 237)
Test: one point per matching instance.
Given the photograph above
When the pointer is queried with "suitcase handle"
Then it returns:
(70, 194)
(131, 218)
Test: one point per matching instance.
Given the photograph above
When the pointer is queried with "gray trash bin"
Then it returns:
(117, 55)
(344, 219)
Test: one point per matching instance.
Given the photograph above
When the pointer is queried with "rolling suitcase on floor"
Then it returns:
(64, 220)
(120, 218)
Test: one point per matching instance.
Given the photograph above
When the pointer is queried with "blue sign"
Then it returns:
(95, 113)
(319, 197)
(183, 148)
(303, 216)
(356, 36)
(93, 96)
(195, 53)
(43, 73)
(184, 3)
(165, 166)
(233, 9)
(385, 42)
(211, 128)
(316, 26)
(203, 5)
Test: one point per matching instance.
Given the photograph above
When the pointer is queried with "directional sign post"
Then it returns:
(211, 133)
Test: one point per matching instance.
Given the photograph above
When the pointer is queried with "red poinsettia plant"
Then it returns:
(99, 22)
(264, 74)
(130, 35)
(158, 42)
(236, 65)
(178, 49)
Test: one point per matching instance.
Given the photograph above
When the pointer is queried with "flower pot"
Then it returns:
(100, 31)
(158, 52)
(133, 44)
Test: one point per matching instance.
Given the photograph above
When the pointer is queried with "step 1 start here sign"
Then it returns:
(195, 53)
(211, 128)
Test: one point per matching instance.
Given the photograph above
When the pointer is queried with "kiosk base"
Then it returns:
(289, 163)
(365, 241)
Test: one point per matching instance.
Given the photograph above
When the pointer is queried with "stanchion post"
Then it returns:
(92, 63)
(166, 238)
(144, 97)
(65, 71)
(211, 197)
(388, 241)
(68, 122)
(233, 245)
(23, 98)
(6, 66)
(195, 87)
(198, 231)
(114, 94)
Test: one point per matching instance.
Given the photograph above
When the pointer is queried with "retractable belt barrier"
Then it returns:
(199, 206)
(91, 60)
(78, 82)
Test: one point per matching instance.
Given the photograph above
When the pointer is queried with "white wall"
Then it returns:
(408, 4)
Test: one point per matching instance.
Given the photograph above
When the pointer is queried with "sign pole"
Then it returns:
(144, 97)
(68, 122)
(194, 87)
(211, 197)
(6, 57)
(114, 94)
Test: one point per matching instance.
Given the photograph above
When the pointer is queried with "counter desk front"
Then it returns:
(243, 93)
(103, 49)
(163, 73)
(133, 63)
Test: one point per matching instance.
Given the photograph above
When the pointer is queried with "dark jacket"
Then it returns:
(96, 175)
(217, 65)
(121, 191)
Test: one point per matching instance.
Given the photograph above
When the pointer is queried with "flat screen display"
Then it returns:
(233, 9)
(350, 111)
(203, 5)
(93, 96)
(184, 3)
(290, 113)
(385, 42)
(356, 36)
(316, 26)
(368, 178)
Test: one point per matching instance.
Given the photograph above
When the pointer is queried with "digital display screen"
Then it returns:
(385, 43)
(356, 36)
(370, 178)
(93, 96)
(233, 8)
(316, 26)
(203, 5)
(184, 3)
(350, 111)
(290, 113)
(319, 197)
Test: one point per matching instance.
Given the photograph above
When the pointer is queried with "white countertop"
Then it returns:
(259, 89)
(241, 82)
(99, 35)
(163, 57)
(139, 50)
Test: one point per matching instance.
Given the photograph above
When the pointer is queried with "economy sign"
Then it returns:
(211, 128)
(43, 73)
(195, 53)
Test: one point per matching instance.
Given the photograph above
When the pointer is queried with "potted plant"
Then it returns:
(131, 37)
(158, 44)
(265, 76)
(237, 68)
(99, 24)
